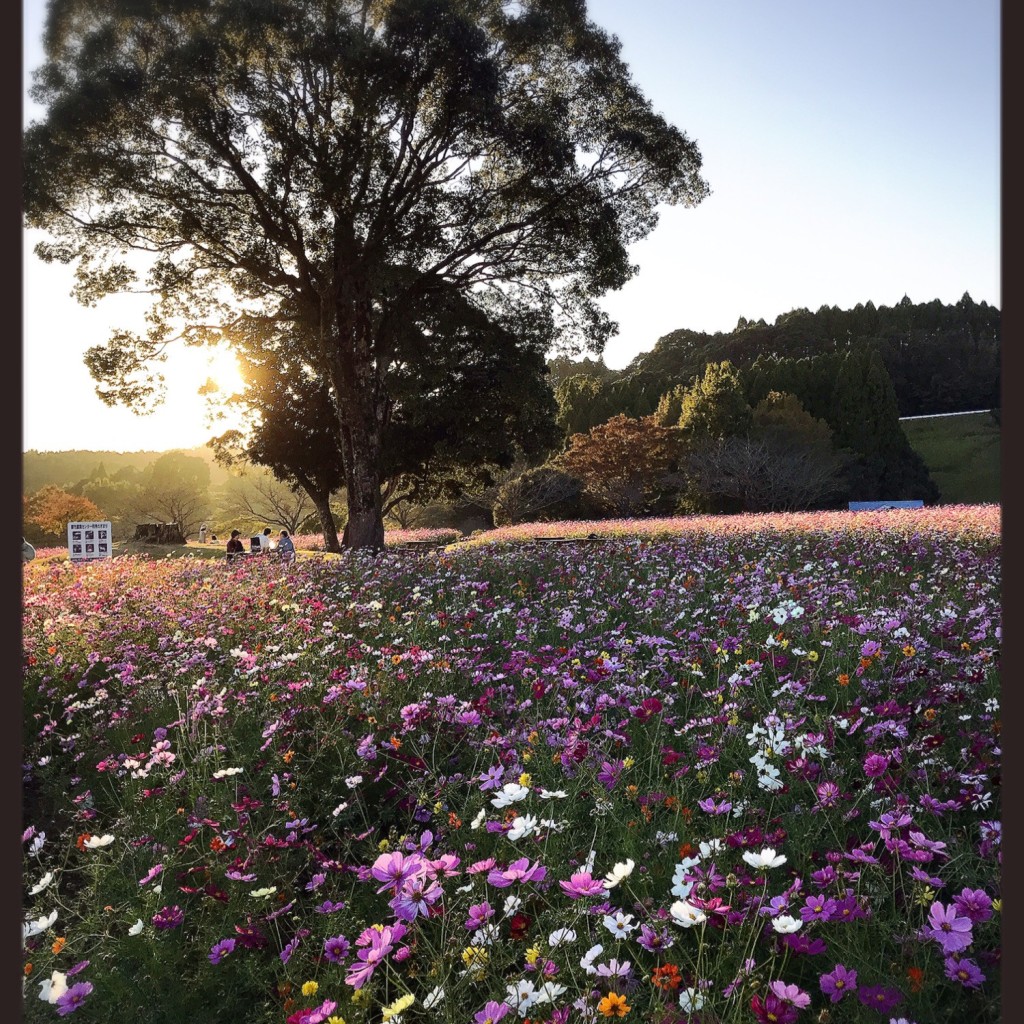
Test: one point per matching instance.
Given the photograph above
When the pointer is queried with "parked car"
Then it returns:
(27, 551)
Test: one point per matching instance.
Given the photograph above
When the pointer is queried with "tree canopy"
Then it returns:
(338, 165)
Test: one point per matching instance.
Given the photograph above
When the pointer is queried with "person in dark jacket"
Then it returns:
(235, 546)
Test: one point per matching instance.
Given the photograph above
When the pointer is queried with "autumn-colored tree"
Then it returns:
(627, 465)
(48, 511)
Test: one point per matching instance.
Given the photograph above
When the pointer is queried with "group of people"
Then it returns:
(258, 543)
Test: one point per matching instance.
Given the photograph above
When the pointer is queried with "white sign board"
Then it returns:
(89, 540)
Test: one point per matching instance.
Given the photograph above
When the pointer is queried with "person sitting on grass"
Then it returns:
(286, 547)
(235, 547)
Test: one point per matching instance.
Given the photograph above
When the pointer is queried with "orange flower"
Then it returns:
(666, 977)
(80, 841)
(844, 679)
(395, 742)
(916, 978)
(614, 1005)
(59, 944)
(454, 820)
(28, 970)
(287, 756)
(217, 844)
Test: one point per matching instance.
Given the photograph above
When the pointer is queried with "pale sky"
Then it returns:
(852, 150)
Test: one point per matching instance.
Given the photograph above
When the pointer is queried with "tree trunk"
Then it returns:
(322, 504)
(330, 531)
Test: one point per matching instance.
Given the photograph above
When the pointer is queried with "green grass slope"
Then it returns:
(962, 455)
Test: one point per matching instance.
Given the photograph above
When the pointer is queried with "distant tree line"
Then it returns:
(940, 358)
(801, 414)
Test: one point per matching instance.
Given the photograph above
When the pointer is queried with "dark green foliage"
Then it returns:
(715, 406)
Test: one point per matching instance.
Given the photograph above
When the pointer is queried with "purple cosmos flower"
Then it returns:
(848, 909)
(922, 876)
(964, 971)
(609, 773)
(880, 997)
(491, 1013)
(168, 917)
(416, 898)
(491, 779)
(327, 907)
(654, 941)
(221, 949)
(804, 944)
(947, 928)
(290, 947)
(828, 793)
(336, 948)
(773, 1010)
(316, 881)
(838, 982)
(582, 884)
(80, 966)
(974, 904)
(479, 914)
(73, 998)
(818, 908)
(711, 807)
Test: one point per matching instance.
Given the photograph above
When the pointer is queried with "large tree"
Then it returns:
(339, 164)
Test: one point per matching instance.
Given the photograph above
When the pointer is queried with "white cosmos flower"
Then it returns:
(39, 925)
(619, 873)
(560, 935)
(551, 794)
(784, 924)
(53, 987)
(524, 825)
(509, 794)
(269, 891)
(136, 929)
(223, 773)
(511, 904)
(549, 992)
(433, 997)
(478, 820)
(587, 961)
(690, 999)
(95, 842)
(620, 924)
(767, 858)
(41, 884)
(710, 847)
(521, 995)
(686, 914)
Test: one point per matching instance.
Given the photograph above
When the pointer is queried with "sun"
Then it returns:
(223, 375)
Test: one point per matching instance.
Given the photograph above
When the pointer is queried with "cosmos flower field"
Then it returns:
(732, 770)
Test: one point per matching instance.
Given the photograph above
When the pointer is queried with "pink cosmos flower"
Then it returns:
(790, 994)
(518, 871)
(581, 883)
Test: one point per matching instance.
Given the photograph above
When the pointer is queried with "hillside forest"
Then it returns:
(803, 413)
